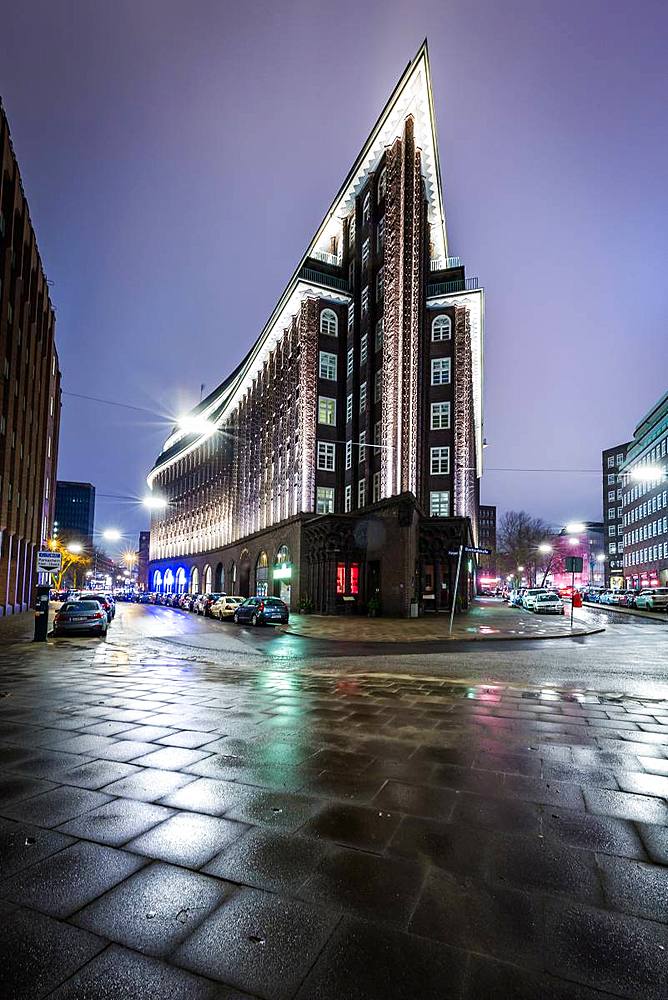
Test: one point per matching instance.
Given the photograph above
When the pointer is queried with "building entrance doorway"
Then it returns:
(244, 577)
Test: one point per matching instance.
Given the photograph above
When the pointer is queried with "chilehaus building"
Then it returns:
(338, 465)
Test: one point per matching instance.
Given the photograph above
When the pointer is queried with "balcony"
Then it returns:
(448, 287)
(321, 278)
(444, 263)
(326, 258)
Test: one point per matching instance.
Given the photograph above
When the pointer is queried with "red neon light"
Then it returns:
(354, 579)
(341, 578)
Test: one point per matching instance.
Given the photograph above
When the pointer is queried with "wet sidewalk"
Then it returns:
(176, 832)
(487, 619)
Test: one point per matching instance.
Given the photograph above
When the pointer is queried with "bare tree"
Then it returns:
(519, 537)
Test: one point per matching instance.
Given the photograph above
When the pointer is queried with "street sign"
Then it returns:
(470, 548)
(573, 564)
(48, 561)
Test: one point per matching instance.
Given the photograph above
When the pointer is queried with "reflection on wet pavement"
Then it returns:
(300, 833)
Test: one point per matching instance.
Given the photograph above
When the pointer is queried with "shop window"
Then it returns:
(341, 578)
(354, 579)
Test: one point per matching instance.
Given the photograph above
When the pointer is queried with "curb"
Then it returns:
(575, 634)
(652, 616)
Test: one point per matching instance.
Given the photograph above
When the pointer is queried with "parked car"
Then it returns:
(262, 611)
(204, 602)
(225, 607)
(655, 599)
(548, 604)
(187, 601)
(530, 596)
(107, 604)
(593, 595)
(619, 597)
(515, 597)
(143, 598)
(81, 616)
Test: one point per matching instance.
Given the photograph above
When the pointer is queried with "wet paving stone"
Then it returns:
(634, 887)
(187, 839)
(155, 909)
(22, 845)
(188, 739)
(491, 980)
(149, 784)
(268, 808)
(67, 880)
(97, 774)
(332, 784)
(363, 961)
(625, 805)
(268, 860)
(258, 942)
(451, 846)
(531, 863)
(38, 953)
(593, 833)
(205, 795)
(502, 922)
(379, 888)
(545, 792)
(48, 765)
(502, 815)
(436, 803)
(120, 974)
(56, 806)
(125, 750)
(611, 952)
(644, 784)
(655, 841)
(170, 758)
(14, 787)
(353, 826)
(116, 822)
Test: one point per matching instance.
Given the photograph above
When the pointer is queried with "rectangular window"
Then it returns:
(439, 503)
(340, 578)
(365, 300)
(362, 397)
(612, 479)
(326, 456)
(440, 371)
(611, 494)
(362, 447)
(351, 231)
(351, 315)
(379, 334)
(351, 362)
(349, 454)
(354, 579)
(611, 461)
(327, 365)
(348, 498)
(365, 253)
(326, 410)
(361, 493)
(366, 209)
(620, 458)
(440, 461)
(440, 416)
(375, 495)
(378, 386)
(611, 513)
(377, 432)
(363, 348)
(324, 500)
(349, 407)
(380, 284)
(380, 234)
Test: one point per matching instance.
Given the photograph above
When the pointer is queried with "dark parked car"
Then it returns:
(143, 598)
(262, 611)
(81, 616)
(105, 601)
(204, 602)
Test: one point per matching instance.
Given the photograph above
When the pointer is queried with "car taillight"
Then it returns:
(98, 614)
(261, 606)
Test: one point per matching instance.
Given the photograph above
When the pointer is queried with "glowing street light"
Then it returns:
(154, 502)
(647, 473)
(600, 557)
(544, 548)
(195, 424)
(576, 528)
(111, 535)
(520, 569)
(76, 548)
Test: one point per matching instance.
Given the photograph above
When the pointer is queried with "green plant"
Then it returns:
(373, 605)
(306, 605)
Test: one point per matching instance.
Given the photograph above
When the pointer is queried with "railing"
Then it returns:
(443, 263)
(320, 278)
(326, 258)
(448, 287)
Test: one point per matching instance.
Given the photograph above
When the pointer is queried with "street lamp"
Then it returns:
(600, 557)
(544, 548)
(195, 424)
(647, 473)
(76, 548)
(154, 502)
(111, 535)
(573, 541)
(575, 528)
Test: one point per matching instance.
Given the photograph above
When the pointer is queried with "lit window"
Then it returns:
(440, 461)
(375, 494)
(354, 578)
(440, 371)
(380, 234)
(380, 284)
(348, 499)
(379, 334)
(439, 503)
(365, 300)
(349, 454)
(329, 323)
(362, 397)
(611, 461)
(349, 408)
(351, 230)
(351, 362)
(340, 578)
(620, 458)
(440, 416)
(441, 328)
(361, 493)
(382, 184)
(351, 315)
(363, 348)
(365, 253)
(327, 365)
(362, 447)
(326, 410)
(324, 500)
(326, 456)
(366, 209)
(612, 479)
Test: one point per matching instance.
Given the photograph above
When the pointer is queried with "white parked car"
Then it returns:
(653, 600)
(530, 596)
(549, 604)
(225, 607)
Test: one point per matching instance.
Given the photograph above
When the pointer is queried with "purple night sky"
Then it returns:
(178, 155)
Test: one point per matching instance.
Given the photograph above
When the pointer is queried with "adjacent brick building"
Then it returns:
(29, 390)
(341, 460)
(487, 568)
(613, 520)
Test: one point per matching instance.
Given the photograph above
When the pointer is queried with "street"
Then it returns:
(191, 809)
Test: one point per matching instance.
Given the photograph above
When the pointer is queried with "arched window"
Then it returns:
(262, 575)
(382, 184)
(329, 322)
(283, 555)
(206, 587)
(194, 580)
(232, 577)
(169, 581)
(441, 328)
(180, 580)
(157, 581)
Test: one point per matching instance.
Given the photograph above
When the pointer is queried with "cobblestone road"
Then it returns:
(170, 829)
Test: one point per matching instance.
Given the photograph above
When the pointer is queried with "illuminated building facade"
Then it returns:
(613, 520)
(340, 461)
(29, 391)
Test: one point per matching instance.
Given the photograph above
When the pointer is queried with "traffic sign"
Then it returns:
(48, 561)
(573, 564)
(470, 548)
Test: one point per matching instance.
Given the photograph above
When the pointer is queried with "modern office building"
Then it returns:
(75, 512)
(644, 477)
(143, 559)
(613, 521)
(29, 390)
(487, 567)
(340, 461)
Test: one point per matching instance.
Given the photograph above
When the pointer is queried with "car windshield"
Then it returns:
(533, 592)
(81, 606)
(547, 597)
(274, 602)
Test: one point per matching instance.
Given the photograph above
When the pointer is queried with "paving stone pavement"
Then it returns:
(171, 830)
